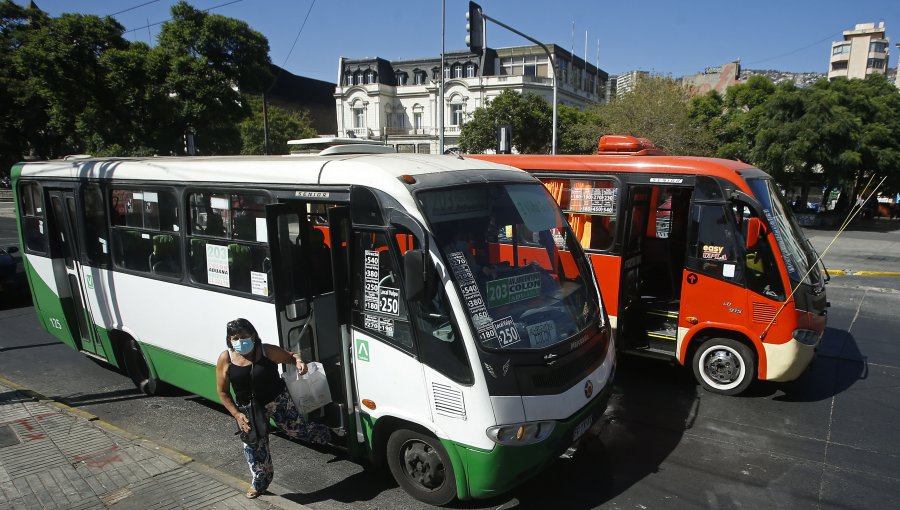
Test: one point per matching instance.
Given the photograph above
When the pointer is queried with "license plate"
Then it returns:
(582, 427)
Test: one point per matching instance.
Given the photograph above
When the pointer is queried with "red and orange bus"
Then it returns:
(699, 259)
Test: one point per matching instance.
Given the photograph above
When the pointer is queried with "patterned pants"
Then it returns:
(289, 420)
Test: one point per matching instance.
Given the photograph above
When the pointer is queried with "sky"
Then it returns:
(676, 37)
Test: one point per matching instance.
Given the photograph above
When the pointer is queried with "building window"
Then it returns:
(457, 71)
(839, 66)
(420, 77)
(359, 118)
(358, 78)
(456, 114)
(423, 148)
(348, 79)
(841, 50)
(878, 47)
(446, 73)
(417, 120)
(470, 71)
(875, 63)
(401, 79)
(371, 77)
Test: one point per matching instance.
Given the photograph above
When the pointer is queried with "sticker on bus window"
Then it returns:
(594, 200)
(370, 293)
(484, 326)
(542, 333)
(389, 301)
(150, 196)
(713, 252)
(728, 270)
(217, 265)
(507, 333)
(259, 283)
(379, 324)
(103, 247)
(218, 203)
(510, 290)
(262, 236)
(41, 226)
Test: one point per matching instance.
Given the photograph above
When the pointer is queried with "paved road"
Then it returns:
(827, 440)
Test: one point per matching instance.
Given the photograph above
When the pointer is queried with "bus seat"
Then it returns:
(136, 250)
(245, 227)
(164, 258)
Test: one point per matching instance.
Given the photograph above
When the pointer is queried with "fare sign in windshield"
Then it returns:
(509, 290)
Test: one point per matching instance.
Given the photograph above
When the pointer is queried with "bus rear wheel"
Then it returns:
(421, 466)
(724, 366)
(137, 368)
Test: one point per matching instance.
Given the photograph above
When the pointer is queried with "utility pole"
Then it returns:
(440, 101)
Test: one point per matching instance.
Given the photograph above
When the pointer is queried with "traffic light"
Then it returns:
(475, 28)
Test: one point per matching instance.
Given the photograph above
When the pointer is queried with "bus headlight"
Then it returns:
(518, 434)
(807, 336)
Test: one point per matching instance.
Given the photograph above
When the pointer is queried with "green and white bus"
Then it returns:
(461, 330)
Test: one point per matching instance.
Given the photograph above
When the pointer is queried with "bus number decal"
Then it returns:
(507, 333)
(542, 333)
(55, 323)
(379, 324)
(217, 265)
(510, 290)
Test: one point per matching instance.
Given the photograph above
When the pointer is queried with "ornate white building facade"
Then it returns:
(397, 102)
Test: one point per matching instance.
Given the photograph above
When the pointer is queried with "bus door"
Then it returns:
(630, 327)
(308, 244)
(72, 278)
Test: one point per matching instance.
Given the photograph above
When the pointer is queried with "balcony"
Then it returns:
(407, 131)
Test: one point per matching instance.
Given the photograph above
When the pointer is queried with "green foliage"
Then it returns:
(73, 84)
(284, 125)
(529, 115)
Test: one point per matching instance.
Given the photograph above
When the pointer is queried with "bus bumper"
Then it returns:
(785, 362)
(520, 463)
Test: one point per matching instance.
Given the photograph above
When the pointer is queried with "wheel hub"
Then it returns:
(423, 465)
(723, 367)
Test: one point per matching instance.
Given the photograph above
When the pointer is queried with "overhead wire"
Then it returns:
(820, 41)
(148, 25)
(133, 8)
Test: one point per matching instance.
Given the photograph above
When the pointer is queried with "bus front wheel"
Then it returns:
(421, 466)
(137, 368)
(724, 366)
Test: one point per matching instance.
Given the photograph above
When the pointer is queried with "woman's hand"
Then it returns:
(242, 422)
(301, 366)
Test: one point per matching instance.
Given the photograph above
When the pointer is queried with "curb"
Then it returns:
(842, 272)
(278, 493)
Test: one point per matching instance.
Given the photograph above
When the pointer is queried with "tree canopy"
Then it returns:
(529, 115)
(73, 84)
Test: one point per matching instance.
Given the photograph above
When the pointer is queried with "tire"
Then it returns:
(421, 467)
(724, 366)
(137, 368)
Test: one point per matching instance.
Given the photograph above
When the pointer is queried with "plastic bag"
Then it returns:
(310, 391)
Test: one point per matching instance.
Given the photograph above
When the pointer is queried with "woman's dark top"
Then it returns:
(267, 384)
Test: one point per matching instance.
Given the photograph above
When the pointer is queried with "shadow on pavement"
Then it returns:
(652, 405)
(859, 225)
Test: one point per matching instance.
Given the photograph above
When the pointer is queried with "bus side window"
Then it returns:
(763, 276)
(96, 235)
(441, 345)
(713, 245)
(145, 233)
(34, 225)
(378, 304)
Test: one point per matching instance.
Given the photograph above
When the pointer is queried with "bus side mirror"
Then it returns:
(755, 228)
(421, 275)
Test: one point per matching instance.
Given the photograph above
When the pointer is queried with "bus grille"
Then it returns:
(448, 401)
(561, 377)
(763, 313)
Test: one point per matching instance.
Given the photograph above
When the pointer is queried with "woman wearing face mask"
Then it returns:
(250, 368)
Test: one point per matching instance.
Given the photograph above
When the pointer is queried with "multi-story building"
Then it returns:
(398, 101)
(863, 51)
(626, 82)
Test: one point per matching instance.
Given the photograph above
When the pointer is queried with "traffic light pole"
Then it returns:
(549, 56)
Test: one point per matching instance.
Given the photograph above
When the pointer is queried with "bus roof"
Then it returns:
(617, 163)
(339, 169)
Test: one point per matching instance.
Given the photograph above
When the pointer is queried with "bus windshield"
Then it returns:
(520, 271)
(798, 254)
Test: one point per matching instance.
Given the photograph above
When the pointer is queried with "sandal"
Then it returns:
(252, 493)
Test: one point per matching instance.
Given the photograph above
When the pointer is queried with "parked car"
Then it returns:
(13, 283)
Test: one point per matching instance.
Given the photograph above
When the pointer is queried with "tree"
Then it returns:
(208, 61)
(579, 130)
(659, 109)
(529, 115)
(284, 125)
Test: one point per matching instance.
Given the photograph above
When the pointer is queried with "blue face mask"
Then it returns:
(242, 345)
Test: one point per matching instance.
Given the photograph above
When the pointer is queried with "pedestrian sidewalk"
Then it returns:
(56, 456)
